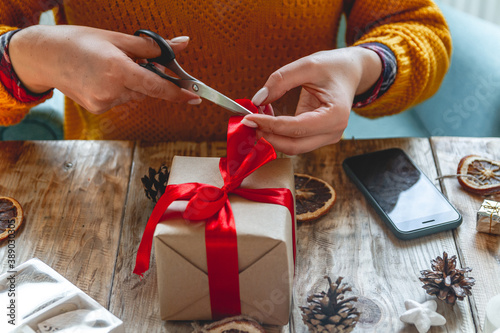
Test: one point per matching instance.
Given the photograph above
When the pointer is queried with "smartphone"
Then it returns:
(401, 193)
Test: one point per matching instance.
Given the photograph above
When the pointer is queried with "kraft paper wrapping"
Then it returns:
(488, 217)
(265, 249)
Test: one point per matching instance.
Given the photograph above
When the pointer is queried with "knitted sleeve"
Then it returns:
(417, 34)
(15, 14)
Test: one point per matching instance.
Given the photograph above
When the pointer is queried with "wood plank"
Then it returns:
(73, 194)
(480, 251)
(353, 242)
(133, 300)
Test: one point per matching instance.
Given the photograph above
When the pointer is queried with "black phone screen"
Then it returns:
(405, 194)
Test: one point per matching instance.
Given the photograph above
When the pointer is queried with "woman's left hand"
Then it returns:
(329, 80)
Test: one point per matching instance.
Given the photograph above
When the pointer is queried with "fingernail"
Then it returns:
(269, 110)
(195, 101)
(260, 96)
(180, 39)
(261, 109)
(249, 123)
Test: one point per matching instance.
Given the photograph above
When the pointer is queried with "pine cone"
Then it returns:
(156, 183)
(446, 281)
(330, 312)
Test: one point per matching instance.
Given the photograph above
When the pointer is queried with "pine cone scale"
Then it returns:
(447, 281)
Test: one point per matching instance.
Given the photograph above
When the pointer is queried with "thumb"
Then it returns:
(284, 79)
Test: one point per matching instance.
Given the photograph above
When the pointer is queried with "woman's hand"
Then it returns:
(329, 80)
(95, 68)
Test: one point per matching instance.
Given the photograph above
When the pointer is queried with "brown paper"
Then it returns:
(265, 249)
(488, 217)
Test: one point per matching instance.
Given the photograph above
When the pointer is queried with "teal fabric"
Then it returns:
(40, 124)
(468, 101)
(401, 125)
(44, 122)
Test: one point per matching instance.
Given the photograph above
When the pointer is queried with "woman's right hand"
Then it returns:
(95, 68)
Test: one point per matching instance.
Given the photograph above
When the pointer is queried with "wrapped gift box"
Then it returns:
(488, 217)
(265, 247)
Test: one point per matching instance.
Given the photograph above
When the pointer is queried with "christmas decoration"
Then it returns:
(492, 318)
(155, 183)
(446, 281)
(488, 217)
(479, 175)
(423, 316)
(313, 197)
(330, 311)
(11, 216)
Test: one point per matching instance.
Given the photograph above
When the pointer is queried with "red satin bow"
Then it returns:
(211, 204)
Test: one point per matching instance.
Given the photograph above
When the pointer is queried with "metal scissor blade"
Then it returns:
(204, 91)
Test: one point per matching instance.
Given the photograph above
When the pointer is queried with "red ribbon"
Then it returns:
(211, 204)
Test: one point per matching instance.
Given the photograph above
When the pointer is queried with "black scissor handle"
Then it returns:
(167, 54)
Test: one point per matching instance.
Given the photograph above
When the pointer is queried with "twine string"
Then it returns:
(456, 175)
(494, 210)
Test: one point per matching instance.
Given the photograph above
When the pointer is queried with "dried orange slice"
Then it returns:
(482, 175)
(11, 216)
(240, 324)
(313, 197)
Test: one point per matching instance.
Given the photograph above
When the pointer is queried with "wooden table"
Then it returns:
(86, 211)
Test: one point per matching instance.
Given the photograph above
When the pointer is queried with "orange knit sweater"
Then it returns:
(234, 47)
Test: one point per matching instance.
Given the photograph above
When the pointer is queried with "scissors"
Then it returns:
(186, 81)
